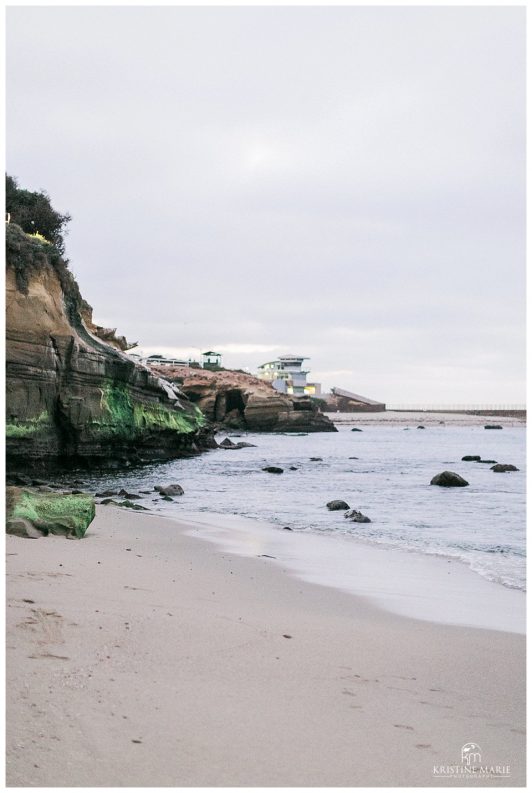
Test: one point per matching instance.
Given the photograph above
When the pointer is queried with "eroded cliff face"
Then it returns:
(241, 401)
(70, 397)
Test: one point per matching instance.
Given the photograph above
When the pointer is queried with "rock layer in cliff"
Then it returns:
(69, 395)
(241, 401)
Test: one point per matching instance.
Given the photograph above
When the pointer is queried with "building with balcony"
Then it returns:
(287, 376)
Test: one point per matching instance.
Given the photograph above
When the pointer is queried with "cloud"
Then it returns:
(345, 182)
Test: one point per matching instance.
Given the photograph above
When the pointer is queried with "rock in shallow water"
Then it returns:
(337, 504)
(169, 490)
(471, 458)
(503, 468)
(493, 427)
(272, 469)
(449, 479)
(131, 505)
(357, 517)
(228, 444)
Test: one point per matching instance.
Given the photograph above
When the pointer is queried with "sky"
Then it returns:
(343, 183)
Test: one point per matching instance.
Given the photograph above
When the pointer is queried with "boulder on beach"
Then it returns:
(337, 504)
(471, 458)
(273, 469)
(169, 490)
(106, 493)
(33, 514)
(503, 468)
(493, 426)
(356, 429)
(449, 479)
(357, 517)
(421, 427)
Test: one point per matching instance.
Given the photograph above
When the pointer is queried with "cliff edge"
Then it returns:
(240, 401)
(71, 397)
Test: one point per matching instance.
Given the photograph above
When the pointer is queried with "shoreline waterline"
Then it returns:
(406, 583)
(382, 471)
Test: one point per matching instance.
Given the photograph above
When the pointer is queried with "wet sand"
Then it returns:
(142, 656)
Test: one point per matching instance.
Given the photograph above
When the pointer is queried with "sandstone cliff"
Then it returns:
(241, 401)
(69, 395)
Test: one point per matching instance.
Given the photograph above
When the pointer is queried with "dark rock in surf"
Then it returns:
(503, 468)
(130, 496)
(169, 490)
(449, 479)
(337, 504)
(357, 517)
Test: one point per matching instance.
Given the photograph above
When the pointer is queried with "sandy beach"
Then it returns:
(143, 655)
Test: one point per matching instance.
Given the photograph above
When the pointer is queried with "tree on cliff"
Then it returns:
(34, 213)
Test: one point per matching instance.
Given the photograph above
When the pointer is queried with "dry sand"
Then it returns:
(144, 656)
(410, 418)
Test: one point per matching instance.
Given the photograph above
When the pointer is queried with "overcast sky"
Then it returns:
(343, 183)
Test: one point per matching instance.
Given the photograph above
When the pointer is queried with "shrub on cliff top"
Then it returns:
(33, 212)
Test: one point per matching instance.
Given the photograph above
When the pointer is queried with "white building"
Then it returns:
(287, 376)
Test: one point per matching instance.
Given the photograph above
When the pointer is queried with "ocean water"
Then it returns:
(482, 525)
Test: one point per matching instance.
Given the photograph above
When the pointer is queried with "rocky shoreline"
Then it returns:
(237, 400)
(76, 401)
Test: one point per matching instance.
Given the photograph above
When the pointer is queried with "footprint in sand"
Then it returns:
(403, 726)
(47, 624)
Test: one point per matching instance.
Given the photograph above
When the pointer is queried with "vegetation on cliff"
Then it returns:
(27, 254)
(33, 212)
(124, 417)
(72, 395)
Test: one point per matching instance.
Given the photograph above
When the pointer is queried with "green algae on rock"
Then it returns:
(33, 514)
(124, 417)
(21, 429)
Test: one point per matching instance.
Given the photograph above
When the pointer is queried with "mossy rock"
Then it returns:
(33, 514)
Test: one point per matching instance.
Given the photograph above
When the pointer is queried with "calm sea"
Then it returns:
(483, 525)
